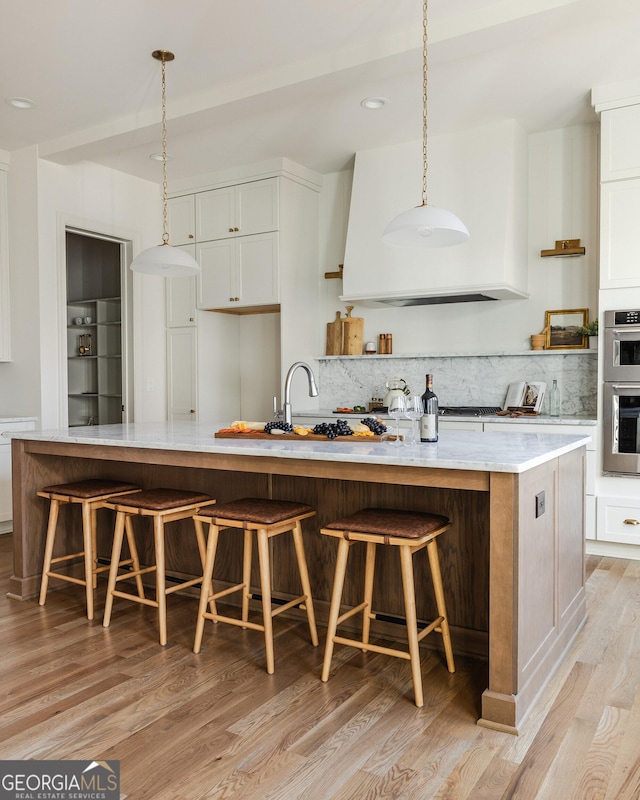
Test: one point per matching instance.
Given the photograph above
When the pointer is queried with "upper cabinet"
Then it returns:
(481, 176)
(620, 152)
(5, 321)
(619, 108)
(247, 233)
(182, 220)
(240, 210)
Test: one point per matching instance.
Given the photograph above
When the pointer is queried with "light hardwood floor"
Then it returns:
(186, 727)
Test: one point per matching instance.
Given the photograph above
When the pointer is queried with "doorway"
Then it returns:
(98, 288)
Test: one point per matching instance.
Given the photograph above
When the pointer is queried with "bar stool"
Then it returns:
(409, 531)
(90, 495)
(163, 506)
(267, 518)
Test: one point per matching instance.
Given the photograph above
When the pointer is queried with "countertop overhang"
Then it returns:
(461, 450)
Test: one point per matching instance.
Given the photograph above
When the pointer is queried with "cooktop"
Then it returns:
(467, 411)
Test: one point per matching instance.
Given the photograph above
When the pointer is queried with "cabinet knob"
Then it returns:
(192, 319)
(230, 230)
(191, 236)
(236, 299)
(631, 522)
(236, 229)
(192, 411)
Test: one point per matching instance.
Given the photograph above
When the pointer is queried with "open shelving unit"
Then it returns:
(94, 332)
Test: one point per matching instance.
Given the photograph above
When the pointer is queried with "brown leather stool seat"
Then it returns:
(163, 506)
(90, 495)
(409, 531)
(267, 518)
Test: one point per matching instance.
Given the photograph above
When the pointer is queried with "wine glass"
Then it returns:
(397, 408)
(413, 411)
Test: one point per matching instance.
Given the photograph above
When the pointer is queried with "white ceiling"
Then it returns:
(256, 79)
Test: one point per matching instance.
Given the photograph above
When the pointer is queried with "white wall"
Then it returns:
(562, 200)
(43, 197)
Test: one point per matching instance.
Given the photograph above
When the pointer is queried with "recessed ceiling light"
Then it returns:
(374, 102)
(20, 102)
(158, 156)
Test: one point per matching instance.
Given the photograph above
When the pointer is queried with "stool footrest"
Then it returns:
(279, 609)
(58, 559)
(240, 623)
(375, 648)
(69, 578)
(225, 592)
(352, 612)
(431, 627)
(182, 585)
(146, 601)
(134, 573)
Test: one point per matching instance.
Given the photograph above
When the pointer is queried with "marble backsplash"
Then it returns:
(463, 379)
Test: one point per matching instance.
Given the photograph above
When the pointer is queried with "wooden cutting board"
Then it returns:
(334, 337)
(352, 333)
(297, 438)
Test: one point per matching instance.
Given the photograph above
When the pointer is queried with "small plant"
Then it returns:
(590, 329)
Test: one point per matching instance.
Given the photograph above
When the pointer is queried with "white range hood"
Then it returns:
(480, 175)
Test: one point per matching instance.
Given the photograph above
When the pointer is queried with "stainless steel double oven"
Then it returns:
(622, 392)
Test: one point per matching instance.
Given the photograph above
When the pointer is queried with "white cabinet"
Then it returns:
(619, 150)
(240, 210)
(182, 373)
(238, 273)
(181, 220)
(181, 297)
(619, 520)
(6, 514)
(619, 215)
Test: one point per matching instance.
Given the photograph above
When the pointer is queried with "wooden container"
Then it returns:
(334, 337)
(352, 334)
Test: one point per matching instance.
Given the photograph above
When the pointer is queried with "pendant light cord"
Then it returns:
(165, 224)
(424, 103)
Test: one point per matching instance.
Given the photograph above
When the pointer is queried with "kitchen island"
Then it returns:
(512, 562)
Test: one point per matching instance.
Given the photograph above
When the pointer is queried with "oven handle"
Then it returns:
(634, 386)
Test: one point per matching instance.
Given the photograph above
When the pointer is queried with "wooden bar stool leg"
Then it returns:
(94, 545)
(161, 586)
(207, 576)
(48, 550)
(368, 591)
(304, 580)
(87, 538)
(436, 577)
(406, 563)
(113, 568)
(202, 549)
(334, 610)
(133, 552)
(265, 586)
(246, 574)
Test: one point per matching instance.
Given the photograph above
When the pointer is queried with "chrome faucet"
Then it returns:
(313, 389)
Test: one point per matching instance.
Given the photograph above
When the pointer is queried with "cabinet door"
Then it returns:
(620, 133)
(215, 214)
(257, 207)
(5, 326)
(619, 214)
(181, 220)
(181, 374)
(217, 280)
(257, 268)
(180, 296)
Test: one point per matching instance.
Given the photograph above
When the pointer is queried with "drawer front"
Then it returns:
(451, 425)
(16, 426)
(619, 520)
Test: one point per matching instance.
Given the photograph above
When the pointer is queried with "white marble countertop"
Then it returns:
(468, 450)
(325, 413)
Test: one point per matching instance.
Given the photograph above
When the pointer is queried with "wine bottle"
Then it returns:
(429, 419)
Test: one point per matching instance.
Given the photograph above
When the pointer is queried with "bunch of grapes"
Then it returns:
(333, 429)
(287, 427)
(374, 425)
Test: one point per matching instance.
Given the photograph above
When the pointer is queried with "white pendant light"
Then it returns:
(425, 225)
(165, 260)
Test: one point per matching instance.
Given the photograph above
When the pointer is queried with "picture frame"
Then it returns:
(561, 329)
